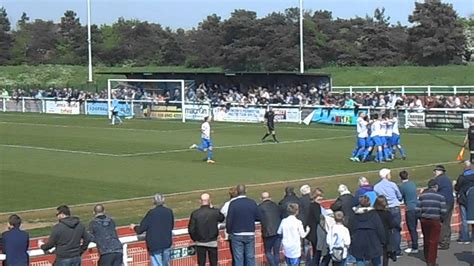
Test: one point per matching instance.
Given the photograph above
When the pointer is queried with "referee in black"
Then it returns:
(470, 139)
(270, 121)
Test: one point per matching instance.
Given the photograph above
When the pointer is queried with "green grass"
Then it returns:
(33, 179)
(28, 77)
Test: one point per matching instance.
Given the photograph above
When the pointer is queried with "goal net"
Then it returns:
(148, 98)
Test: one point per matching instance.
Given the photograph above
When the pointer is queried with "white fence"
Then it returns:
(403, 90)
(414, 118)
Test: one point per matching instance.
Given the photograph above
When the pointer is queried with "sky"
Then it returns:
(187, 14)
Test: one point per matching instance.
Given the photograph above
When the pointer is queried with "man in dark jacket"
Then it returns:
(104, 234)
(465, 185)
(69, 237)
(290, 197)
(158, 224)
(445, 188)
(270, 219)
(203, 230)
(15, 243)
(240, 225)
(305, 200)
(368, 233)
(344, 203)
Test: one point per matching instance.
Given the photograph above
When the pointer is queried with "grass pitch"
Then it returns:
(48, 160)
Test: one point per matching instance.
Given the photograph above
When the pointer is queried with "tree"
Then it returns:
(21, 39)
(6, 39)
(437, 35)
(72, 40)
(43, 41)
(205, 43)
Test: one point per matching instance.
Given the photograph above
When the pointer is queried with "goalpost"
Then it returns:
(154, 96)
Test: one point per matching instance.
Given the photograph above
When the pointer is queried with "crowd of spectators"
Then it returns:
(258, 95)
(359, 230)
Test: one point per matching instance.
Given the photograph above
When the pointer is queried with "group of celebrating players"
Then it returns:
(379, 136)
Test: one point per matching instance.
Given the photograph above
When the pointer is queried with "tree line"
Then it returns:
(243, 42)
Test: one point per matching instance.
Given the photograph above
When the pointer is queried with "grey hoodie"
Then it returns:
(66, 238)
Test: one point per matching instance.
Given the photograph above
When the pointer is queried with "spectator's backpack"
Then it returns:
(337, 254)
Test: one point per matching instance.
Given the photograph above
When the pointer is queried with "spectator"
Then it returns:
(158, 224)
(380, 207)
(368, 234)
(290, 197)
(203, 229)
(69, 238)
(445, 188)
(344, 203)
(465, 186)
(270, 219)
(292, 231)
(240, 225)
(392, 193)
(365, 188)
(313, 220)
(322, 256)
(305, 200)
(15, 243)
(103, 232)
(339, 240)
(431, 209)
(410, 197)
(224, 209)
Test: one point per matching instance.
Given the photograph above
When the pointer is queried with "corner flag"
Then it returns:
(461, 154)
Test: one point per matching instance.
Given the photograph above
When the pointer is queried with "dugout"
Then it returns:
(240, 80)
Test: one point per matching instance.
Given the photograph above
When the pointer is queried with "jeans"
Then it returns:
(464, 234)
(272, 246)
(76, 261)
(445, 235)
(243, 250)
(160, 257)
(211, 252)
(397, 237)
(412, 222)
(111, 259)
(431, 234)
(374, 261)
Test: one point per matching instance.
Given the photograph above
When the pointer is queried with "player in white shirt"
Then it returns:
(395, 141)
(376, 129)
(206, 142)
(385, 135)
(362, 134)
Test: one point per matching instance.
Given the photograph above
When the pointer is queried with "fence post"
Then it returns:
(4, 101)
(125, 254)
(377, 88)
(403, 90)
(43, 104)
(132, 106)
(23, 104)
(85, 107)
(406, 119)
(350, 90)
(429, 90)
(455, 90)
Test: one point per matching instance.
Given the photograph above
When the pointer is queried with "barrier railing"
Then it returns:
(408, 89)
(135, 253)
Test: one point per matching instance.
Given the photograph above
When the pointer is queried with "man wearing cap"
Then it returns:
(431, 209)
(392, 193)
(445, 188)
(158, 224)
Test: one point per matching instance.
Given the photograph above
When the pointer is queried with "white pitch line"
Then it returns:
(233, 146)
(58, 150)
(224, 188)
(112, 128)
(159, 152)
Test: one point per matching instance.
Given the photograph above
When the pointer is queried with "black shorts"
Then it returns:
(114, 112)
(271, 127)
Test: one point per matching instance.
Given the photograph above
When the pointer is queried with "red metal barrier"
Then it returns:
(138, 255)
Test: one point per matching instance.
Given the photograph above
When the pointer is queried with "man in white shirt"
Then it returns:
(206, 142)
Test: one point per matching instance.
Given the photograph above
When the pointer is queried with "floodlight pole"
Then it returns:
(301, 38)
(89, 40)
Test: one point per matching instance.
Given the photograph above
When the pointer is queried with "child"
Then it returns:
(339, 240)
(292, 230)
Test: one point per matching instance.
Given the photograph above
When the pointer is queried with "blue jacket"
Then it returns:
(445, 188)
(15, 243)
(241, 217)
(367, 190)
(158, 224)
